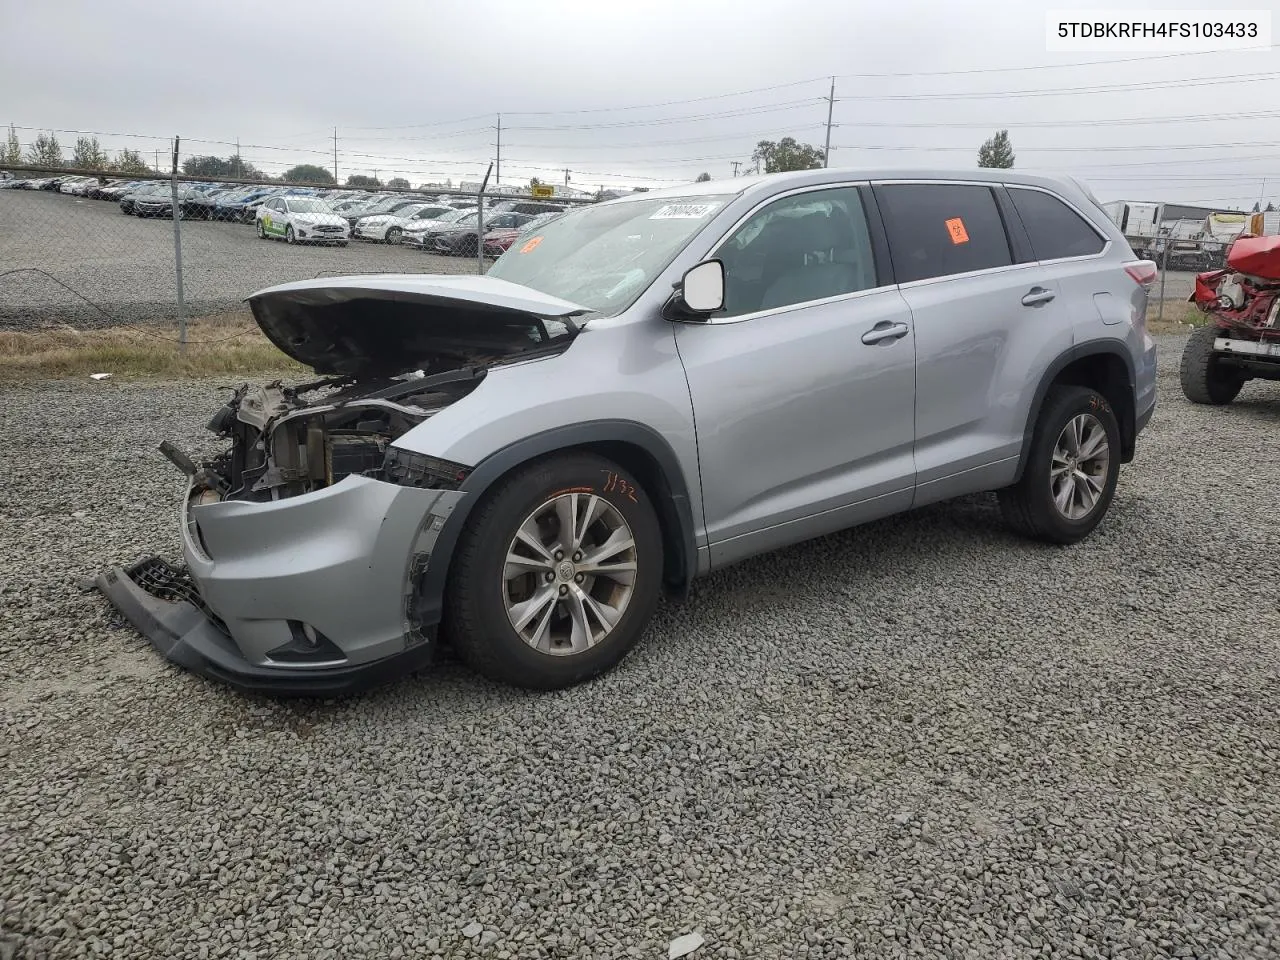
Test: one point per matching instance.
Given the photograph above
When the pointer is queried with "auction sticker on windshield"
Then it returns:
(684, 211)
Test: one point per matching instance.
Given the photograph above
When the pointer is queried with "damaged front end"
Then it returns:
(1245, 297)
(306, 539)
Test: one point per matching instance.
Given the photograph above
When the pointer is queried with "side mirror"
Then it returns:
(700, 292)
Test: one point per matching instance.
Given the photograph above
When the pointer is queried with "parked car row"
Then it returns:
(441, 224)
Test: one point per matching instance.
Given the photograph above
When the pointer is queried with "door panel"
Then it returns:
(798, 420)
(977, 346)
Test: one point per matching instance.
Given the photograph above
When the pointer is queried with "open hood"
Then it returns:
(382, 325)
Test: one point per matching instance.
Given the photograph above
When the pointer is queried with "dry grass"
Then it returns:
(223, 344)
(1179, 317)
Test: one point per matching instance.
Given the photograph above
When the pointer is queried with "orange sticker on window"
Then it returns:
(531, 245)
(955, 227)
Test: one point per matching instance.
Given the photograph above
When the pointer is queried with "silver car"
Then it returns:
(638, 393)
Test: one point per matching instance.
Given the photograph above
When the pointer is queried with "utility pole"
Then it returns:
(335, 155)
(239, 166)
(831, 102)
(157, 161)
(736, 164)
(566, 176)
(497, 172)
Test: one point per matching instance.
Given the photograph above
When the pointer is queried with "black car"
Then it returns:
(463, 237)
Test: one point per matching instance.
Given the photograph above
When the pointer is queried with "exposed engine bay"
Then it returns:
(287, 441)
(394, 351)
(1245, 297)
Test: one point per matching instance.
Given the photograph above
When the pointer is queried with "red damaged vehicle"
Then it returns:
(1242, 339)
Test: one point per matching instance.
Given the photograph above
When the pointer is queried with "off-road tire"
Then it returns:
(475, 621)
(1028, 506)
(1204, 378)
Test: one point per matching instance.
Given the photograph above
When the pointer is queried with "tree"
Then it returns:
(785, 155)
(45, 152)
(366, 183)
(89, 154)
(534, 182)
(398, 183)
(128, 161)
(997, 151)
(1271, 208)
(703, 177)
(307, 173)
(12, 148)
(1257, 206)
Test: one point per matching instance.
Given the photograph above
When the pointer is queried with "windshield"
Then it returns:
(604, 257)
(308, 205)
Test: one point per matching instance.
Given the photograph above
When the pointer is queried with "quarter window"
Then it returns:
(797, 249)
(939, 229)
(1054, 228)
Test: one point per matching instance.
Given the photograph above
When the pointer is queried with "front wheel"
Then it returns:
(556, 574)
(1204, 378)
(1071, 471)
(262, 234)
(393, 235)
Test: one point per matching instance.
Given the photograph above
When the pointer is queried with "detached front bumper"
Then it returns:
(314, 594)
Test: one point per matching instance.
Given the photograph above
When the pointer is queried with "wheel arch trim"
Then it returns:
(1081, 351)
(673, 506)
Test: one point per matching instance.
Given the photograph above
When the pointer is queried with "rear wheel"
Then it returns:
(1071, 471)
(556, 574)
(1205, 379)
(289, 236)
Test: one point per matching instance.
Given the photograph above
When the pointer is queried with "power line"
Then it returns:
(1015, 124)
(744, 112)
(1058, 91)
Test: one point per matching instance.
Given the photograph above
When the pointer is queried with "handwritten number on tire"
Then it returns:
(614, 482)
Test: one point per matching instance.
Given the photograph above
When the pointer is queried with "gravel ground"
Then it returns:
(125, 265)
(920, 738)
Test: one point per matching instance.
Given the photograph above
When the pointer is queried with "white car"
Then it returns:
(76, 185)
(389, 227)
(301, 220)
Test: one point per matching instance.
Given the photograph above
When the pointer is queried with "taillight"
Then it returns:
(1143, 272)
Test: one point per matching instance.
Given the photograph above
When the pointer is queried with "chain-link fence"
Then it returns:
(92, 247)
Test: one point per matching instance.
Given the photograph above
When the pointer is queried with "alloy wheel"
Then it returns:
(569, 573)
(1078, 469)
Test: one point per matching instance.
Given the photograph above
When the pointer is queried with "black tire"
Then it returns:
(1204, 378)
(1028, 506)
(289, 235)
(262, 234)
(393, 235)
(475, 619)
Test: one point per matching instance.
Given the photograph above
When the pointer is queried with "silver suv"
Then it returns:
(638, 393)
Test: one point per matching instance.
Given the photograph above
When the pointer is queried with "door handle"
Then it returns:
(1036, 296)
(885, 330)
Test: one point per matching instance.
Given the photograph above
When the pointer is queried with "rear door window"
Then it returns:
(939, 229)
(1056, 231)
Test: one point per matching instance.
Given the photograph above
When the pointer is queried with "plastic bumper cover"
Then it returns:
(343, 563)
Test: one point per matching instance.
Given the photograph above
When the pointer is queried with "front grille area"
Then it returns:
(163, 580)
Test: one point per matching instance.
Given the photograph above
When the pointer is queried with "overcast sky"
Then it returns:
(414, 89)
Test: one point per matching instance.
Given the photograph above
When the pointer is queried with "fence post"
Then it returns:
(176, 214)
(480, 221)
(1164, 264)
